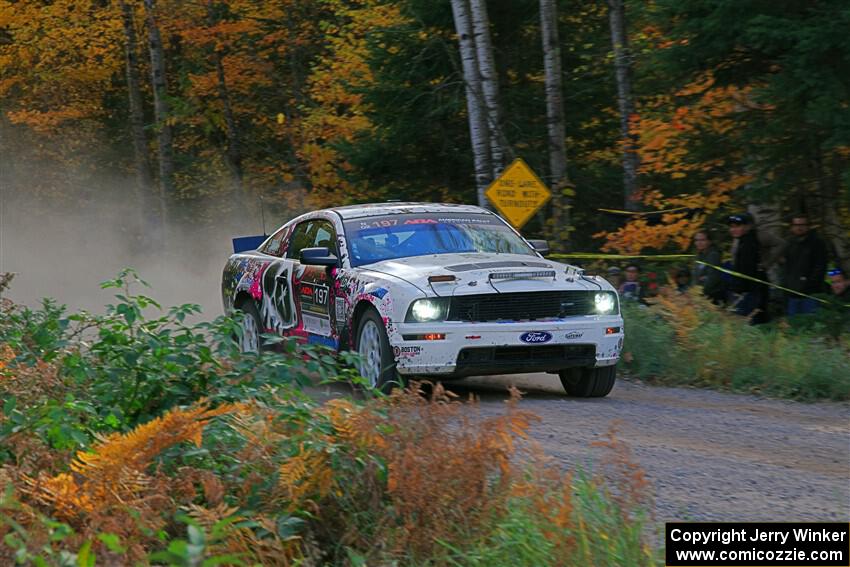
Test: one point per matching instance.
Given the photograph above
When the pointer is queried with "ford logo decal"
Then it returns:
(536, 337)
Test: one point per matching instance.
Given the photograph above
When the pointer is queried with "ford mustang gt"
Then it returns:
(434, 290)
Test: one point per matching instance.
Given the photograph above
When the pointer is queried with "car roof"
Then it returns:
(393, 208)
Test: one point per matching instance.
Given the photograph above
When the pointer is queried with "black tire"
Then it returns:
(588, 382)
(250, 313)
(389, 377)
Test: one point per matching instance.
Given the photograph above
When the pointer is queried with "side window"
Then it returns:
(325, 236)
(311, 234)
(300, 239)
(275, 244)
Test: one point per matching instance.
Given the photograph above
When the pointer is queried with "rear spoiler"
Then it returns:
(246, 243)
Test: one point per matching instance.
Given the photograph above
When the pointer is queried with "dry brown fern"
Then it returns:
(114, 472)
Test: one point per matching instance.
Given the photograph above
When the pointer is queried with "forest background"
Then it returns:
(222, 116)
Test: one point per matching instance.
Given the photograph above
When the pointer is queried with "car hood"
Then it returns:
(473, 273)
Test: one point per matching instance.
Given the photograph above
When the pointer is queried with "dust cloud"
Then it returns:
(62, 242)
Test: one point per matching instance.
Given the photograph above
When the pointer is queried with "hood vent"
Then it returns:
(502, 264)
(522, 275)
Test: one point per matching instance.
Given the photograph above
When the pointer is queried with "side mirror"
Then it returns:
(319, 256)
(540, 246)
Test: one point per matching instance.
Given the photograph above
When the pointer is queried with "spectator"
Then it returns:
(683, 280)
(804, 257)
(615, 276)
(709, 278)
(631, 289)
(752, 295)
(839, 284)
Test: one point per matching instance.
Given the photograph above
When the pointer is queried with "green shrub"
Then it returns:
(684, 339)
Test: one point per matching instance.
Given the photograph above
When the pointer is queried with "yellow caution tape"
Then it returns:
(641, 213)
(590, 256)
(769, 284)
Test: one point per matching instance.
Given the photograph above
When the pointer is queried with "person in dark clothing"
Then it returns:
(752, 300)
(804, 257)
(709, 278)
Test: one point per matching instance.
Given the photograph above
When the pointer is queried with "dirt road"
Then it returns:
(709, 455)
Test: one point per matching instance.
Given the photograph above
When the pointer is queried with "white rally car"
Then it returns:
(434, 290)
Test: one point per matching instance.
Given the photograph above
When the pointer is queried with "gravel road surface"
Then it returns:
(709, 456)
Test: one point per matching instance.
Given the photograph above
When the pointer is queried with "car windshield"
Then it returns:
(386, 237)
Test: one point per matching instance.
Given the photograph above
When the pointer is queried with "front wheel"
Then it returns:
(588, 382)
(250, 340)
(376, 363)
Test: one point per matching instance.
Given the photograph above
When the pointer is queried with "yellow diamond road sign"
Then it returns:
(518, 193)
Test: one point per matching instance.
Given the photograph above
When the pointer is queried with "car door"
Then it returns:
(312, 285)
(276, 303)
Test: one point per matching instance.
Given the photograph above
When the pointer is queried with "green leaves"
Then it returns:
(135, 361)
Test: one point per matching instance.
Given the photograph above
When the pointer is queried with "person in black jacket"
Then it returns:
(804, 257)
(752, 300)
(708, 278)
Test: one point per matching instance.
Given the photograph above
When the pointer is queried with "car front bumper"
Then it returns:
(469, 349)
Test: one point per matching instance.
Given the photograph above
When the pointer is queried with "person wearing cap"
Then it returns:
(839, 285)
(836, 313)
(709, 278)
(752, 300)
(804, 260)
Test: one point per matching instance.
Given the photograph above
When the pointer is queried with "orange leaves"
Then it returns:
(113, 472)
(667, 128)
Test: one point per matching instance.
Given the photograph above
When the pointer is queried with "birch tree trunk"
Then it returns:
(489, 81)
(145, 188)
(622, 66)
(478, 129)
(165, 148)
(555, 122)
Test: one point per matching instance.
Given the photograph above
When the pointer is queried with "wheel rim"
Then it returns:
(250, 334)
(370, 353)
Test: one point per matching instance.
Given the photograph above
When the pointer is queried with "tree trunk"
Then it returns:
(146, 191)
(622, 65)
(489, 82)
(478, 129)
(555, 123)
(165, 148)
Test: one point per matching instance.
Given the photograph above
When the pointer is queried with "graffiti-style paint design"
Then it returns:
(277, 309)
(320, 305)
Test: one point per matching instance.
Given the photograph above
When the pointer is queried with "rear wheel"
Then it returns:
(588, 382)
(250, 340)
(376, 363)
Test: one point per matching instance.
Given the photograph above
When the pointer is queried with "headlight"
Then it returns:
(425, 310)
(605, 303)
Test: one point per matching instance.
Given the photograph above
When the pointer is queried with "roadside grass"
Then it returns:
(133, 437)
(684, 339)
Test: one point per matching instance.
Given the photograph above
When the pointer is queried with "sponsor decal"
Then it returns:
(379, 293)
(574, 335)
(407, 351)
(314, 298)
(536, 337)
(320, 340)
(318, 325)
(340, 310)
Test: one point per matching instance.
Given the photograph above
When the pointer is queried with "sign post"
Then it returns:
(518, 193)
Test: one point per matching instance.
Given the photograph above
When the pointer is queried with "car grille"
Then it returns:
(511, 359)
(521, 306)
